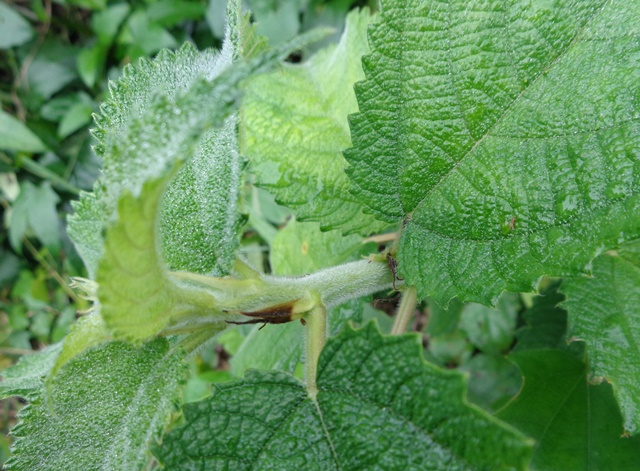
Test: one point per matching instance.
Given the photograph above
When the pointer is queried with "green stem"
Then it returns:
(41, 171)
(405, 311)
(316, 337)
(334, 286)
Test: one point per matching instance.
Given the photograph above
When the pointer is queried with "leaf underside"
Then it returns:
(294, 126)
(102, 411)
(505, 133)
(379, 406)
(604, 312)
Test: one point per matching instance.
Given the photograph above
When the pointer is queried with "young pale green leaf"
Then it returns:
(577, 425)
(298, 249)
(604, 312)
(102, 411)
(379, 406)
(26, 378)
(294, 126)
(505, 133)
(137, 299)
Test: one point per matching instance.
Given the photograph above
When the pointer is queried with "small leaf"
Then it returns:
(35, 210)
(14, 29)
(379, 406)
(577, 425)
(75, 118)
(102, 411)
(14, 135)
(546, 322)
(604, 312)
(90, 65)
(294, 126)
(106, 22)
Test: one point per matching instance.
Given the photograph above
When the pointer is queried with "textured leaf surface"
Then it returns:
(604, 311)
(102, 411)
(299, 249)
(294, 126)
(158, 115)
(379, 406)
(507, 132)
(25, 379)
(576, 425)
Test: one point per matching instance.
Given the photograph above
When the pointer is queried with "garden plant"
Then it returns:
(480, 158)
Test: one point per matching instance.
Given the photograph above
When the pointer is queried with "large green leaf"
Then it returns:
(604, 311)
(102, 411)
(505, 133)
(14, 135)
(294, 126)
(576, 425)
(379, 406)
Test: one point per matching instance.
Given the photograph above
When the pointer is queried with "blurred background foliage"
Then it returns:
(56, 60)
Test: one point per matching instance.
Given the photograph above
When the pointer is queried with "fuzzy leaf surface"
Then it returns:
(102, 411)
(604, 312)
(160, 114)
(576, 425)
(507, 132)
(376, 396)
(26, 378)
(294, 127)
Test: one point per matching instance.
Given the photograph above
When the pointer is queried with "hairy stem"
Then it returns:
(316, 337)
(405, 311)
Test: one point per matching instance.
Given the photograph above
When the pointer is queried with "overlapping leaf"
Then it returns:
(294, 126)
(506, 131)
(102, 411)
(379, 406)
(576, 425)
(604, 311)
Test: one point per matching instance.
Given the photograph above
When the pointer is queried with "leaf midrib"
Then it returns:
(508, 110)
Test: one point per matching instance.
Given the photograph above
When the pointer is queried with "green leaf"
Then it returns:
(491, 330)
(91, 63)
(294, 125)
(107, 22)
(546, 322)
(87, 332)
(26, 378)
(137, 298)
(379, 406)
(14, 29)
(14, 135)
(141, 32)
(75, 118)
(577, 425)
(35, 210)
(172, 12)
(299, 249)
(102, 411)
(189, 93)
(493, 380)
(604, 312)
(506, 132)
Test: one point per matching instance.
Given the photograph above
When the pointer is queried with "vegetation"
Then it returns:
(271, 217)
